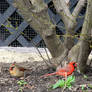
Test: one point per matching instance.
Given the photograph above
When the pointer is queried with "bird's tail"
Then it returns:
(46, 75)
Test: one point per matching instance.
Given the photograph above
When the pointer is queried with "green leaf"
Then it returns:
(90, 85)
(21, 82)
(69, 86)
(70, 79)
(59, 83)
(85, 76)
(62, 83)
(20, 89)
(25, 83)
(82, 87)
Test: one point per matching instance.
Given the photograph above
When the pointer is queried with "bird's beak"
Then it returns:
(10, 68)
(76, 64)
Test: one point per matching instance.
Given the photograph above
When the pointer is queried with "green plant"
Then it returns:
(20, 89)
(60, 83)
(85, 76)
(82, 87)
(21, 83)
(69, 81)
(90, 86)
(64, 83)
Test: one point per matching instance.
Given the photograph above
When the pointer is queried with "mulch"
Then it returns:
(37, 84)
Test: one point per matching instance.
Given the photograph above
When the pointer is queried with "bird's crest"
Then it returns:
(12, 66)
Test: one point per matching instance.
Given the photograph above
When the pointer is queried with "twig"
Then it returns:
(65, 80)
(29, 86)
(48, 56)
(63, 88)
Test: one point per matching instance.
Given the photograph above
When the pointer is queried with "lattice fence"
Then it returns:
(15, 31)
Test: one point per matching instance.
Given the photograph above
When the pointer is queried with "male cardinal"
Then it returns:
(64, 71)
(16, 70)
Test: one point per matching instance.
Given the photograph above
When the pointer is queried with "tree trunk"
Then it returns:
(40, 22)
(53, 43)
(85, 38)
(74, 53)
(69, 36)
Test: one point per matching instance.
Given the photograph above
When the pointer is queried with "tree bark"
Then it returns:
(74, 53)
(85, 38)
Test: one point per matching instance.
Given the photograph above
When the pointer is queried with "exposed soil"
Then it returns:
(37, 84)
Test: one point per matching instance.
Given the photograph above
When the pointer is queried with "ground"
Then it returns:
(37, 84)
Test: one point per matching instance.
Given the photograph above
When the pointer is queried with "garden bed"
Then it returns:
(37, 84)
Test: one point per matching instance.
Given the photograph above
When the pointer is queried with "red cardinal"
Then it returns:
(65, 71)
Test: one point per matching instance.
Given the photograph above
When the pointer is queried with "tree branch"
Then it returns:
(39, 20)
(63, 9)
(78, 8)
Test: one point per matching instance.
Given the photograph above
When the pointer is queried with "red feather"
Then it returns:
(65, 71)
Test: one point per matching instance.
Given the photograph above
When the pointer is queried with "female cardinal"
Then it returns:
(16, 70)
(65, 71)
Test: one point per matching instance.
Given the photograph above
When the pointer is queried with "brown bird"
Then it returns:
(16, 70)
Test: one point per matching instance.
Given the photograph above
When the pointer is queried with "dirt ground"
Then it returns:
(37, 84)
